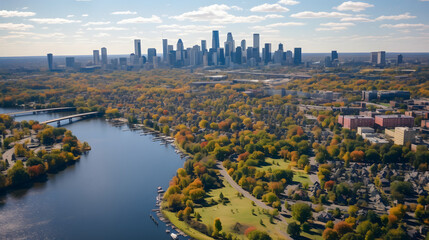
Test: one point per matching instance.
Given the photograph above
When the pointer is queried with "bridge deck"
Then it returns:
(69, 117)
(40, 110)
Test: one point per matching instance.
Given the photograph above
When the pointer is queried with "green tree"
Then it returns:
(217, 225)
(293, 229)
(301, 212)
(258, 235)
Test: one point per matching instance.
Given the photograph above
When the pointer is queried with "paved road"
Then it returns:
(245, 193)
(8, 154)
(314, 166)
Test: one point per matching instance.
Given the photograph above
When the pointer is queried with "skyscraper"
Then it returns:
(50, 61)
(256, 52)
(281, 47)
(179, 50)
(297, 56)
(137, 48)
(164, 50)
(229, 45)
(215, 39)
(400, 59)
(203, 46)
(104, 56)
(334, 55)
(243, 47)
(96, 57)
(373, 58)
(151, 53)
(267, 53)
(70, 62)
(381, 58)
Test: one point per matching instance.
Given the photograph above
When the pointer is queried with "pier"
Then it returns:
(37, 111)
(70, 118)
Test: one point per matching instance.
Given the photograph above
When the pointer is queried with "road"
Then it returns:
(8, 154)
(245, 193)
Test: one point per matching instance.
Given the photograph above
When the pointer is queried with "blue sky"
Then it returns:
(76, 27)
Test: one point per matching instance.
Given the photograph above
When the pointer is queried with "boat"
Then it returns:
(167, 231)
(173, 236)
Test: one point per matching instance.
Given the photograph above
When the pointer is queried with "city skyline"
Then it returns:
(77, 27)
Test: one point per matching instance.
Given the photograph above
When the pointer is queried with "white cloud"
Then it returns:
(124, 13)
(106, 29)
(15, 26)
(153, 19)
(396, 17)
(270, 27)
(102, 35)
(331, 29)
(53, 20)
(95, 23)
(309, 14)
(356, 19)
(269, 8)
(70, 16)
(83, 0)
(7, 14)
(334, 24)
(188, 28)
(404, 25)
(85, 15)
(288, 2)
(353, 6)
(218, 14)
(35, 35)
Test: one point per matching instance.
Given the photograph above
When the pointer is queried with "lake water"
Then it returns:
(108, 194)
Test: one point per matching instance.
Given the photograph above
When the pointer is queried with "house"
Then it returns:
(324, 217)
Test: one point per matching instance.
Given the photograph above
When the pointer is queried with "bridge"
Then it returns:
(37, 111)
(70, 118)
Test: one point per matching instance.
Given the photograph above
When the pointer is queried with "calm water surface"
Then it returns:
(108, 194)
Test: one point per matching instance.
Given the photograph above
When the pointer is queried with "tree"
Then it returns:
(342, 228)
(396, 234)
(330, 234)
(401, 189)
(258, 191)
(372, 155)
(217, 225)
(293, 229)
(258, 235)
(17, 175)
(301, 212)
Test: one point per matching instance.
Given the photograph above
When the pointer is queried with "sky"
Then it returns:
(76, 27)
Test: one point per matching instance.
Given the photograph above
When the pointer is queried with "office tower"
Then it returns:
(133, 59)
(96, 57)
(328, 61)
(334, 55)
(155, 61)
(179, 50)
(256, 52)
(170, 48)
(243, 48)
(221, 56)
(164, 50)
(104, 56)
(297, 56)
(289, 58)
(69, 62)
(267, 53)
(50, 61)
(137, 48)
(203, 46)
(381, 58)
(194, 58)
(172, 57)
(249, 53)
(373, 58)
(215, 39)
(229, 45)
(123, 61)
(400, 59)
(238, 55)
(151, 53)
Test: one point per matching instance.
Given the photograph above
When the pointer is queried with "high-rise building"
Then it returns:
(50, 61)
(267, 53)
(69, 62)
(400, 59)
(381, 58)
(179, 50)
(256, 43)
(281, 47)
(137, 48)
(289, 58)
(238, 55)
(203, 46)
(243, 45)
(373, 58)
(215, 39)
(229, 45)
(164, 50)
(104, 56)
(334, 55)
(297, 56)
(96, 57)
(151, 53)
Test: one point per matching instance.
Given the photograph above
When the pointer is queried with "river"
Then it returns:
(108, 194)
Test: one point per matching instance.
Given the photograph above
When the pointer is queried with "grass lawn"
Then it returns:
(238, 210)
(299, 176)
(237, 213)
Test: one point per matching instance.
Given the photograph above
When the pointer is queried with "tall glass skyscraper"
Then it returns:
(137, 48)
(215, 39)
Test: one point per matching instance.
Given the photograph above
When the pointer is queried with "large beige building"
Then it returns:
(403, 135)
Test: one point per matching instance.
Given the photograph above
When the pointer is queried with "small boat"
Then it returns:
(167, 231)
(173, 236)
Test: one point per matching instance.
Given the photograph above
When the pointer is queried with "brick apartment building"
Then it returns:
(353, 122)
(392, 121)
